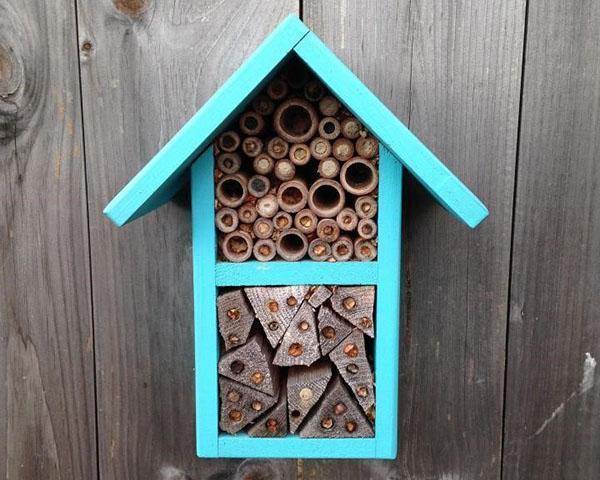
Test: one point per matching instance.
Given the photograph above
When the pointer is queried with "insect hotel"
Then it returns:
(296, 174)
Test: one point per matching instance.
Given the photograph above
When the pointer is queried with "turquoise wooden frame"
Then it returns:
(209, 275)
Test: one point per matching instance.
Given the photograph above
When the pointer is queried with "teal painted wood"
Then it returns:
(158, 181)
(416, 157)
(296, 273)
(206, 346)
(387, 333)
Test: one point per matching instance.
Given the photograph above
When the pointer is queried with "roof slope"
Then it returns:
(160, 179)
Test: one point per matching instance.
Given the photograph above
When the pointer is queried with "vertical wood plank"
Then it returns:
(458, 85)
(553, 391)
(148, 66)
(46, 358)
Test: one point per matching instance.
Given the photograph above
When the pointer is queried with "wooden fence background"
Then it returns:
(502, 325)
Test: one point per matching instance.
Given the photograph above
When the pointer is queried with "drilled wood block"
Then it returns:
(355, 304)
(332, 329)
(300, 344)
(318, 295)
(275, 307)
(351, 360)
(240, 405)
(274, 423)
(305, 385)
(252, 365)
(337, 416)
(235, 318)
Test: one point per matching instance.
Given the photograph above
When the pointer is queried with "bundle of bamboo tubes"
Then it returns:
(296, 176)
(303, 367)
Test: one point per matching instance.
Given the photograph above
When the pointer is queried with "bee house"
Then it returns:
(296, 194)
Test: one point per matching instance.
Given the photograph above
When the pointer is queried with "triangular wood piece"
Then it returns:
(337, 416)
(252, 365)
(235, 318)
(355, 304)
(332, 329)
(351, 360)
(305, 385)
(275, 307)
(318, 295)
(300, 344)
(240, 405)
(274, 423)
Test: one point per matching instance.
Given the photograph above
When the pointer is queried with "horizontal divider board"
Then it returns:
(252, 273)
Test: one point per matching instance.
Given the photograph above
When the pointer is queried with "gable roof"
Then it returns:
(162, 177)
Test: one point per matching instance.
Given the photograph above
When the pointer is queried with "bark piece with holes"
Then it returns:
(275, 307)
(252, 365)
(240, 404)
(337, 416)
(274, 423)
(355, 304)
(332, 329)
(350, 358)
(304, 388)
(300, 343)
(235, 318)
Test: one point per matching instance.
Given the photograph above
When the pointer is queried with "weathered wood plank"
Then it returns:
(46, 344)
(465, 83)
(149, 66)
(553, 392)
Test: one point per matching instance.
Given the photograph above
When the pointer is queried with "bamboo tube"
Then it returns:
(263, 164)
(326, 198)
(366, 206)
(299, 154)
(347, 219)
(314, 91)
(284, 169)
(231, 191)
(237, 246)
(267, 206)
(277, 89)
(252, 146)
(306, 221)
(226, 220)
(263, 105)
(264, 250)
(320, 148)
(292, 196)
(247, 213)
(319, 250)
(292, 245)
(342, 249)
(358, 176)
(295, 120)
(328, 230)
(258, 186)
(329, 128)
(364, 250)
(367, 228)
(277, 148)
(367, 147)
(229, 141)
(282, 220)
(229, 163)
(343, 149)
(329, 168)
(350, 128)
(329, 106)
(263, 228)
(251, 123)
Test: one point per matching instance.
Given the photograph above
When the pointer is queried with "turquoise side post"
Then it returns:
(205, 298)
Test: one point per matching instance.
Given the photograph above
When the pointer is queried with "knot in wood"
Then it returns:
(130, 7)
(349, 303)
(11, 74)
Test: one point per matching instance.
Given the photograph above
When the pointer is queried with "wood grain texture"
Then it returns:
(46, 358)
(553, 392)
(148, 66)
(462, 100)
